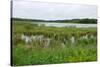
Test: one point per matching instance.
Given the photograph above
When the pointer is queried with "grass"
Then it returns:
(34, 53)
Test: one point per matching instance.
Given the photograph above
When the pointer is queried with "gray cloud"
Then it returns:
(43, 10)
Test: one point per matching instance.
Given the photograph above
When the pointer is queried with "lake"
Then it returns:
(53, 24)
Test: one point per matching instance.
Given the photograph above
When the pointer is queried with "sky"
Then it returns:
(52, 11)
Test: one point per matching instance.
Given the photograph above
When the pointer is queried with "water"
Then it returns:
(67, 25)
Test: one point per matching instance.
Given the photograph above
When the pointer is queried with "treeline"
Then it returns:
(85, 20)
(89, 21)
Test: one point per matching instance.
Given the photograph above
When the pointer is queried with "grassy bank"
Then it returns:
(82, 50)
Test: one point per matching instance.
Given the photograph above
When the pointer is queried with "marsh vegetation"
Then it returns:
(33, 44)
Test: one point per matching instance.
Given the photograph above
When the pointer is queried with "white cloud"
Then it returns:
(43, 10)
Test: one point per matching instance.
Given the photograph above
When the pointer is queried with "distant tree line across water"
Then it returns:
(85, 20)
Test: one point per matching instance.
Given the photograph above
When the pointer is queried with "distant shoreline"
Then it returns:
(85, 20)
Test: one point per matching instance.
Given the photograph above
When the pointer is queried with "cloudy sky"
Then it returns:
(52, 11)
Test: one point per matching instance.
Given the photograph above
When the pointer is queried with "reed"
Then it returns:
(52, 45)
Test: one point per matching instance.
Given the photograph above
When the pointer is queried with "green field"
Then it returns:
(60, 49)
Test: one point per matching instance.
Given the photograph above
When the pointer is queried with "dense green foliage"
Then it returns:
(89, 21)
(85, 20)
(34, 53)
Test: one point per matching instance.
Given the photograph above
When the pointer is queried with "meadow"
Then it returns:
(50, 45)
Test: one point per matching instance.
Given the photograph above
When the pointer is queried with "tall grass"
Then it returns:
(34, 53)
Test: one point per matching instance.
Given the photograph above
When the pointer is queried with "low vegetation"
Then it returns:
(65, 45)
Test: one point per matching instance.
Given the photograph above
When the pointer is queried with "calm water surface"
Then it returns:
(66, 24)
